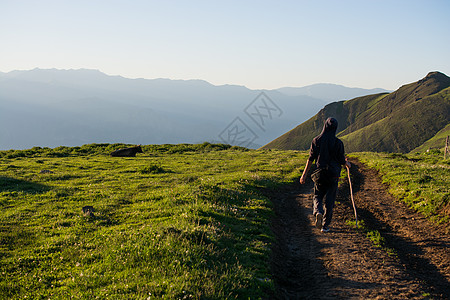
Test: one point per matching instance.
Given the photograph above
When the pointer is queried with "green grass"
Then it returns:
(374, 236)
(177, 222)
(436, 142)
(420, 180)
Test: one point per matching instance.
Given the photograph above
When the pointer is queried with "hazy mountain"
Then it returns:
(394, 122)
(72, 107)
(329, 92)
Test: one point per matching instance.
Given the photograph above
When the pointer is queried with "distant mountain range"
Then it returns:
(413, 118)
(329, 92)
(50, 108)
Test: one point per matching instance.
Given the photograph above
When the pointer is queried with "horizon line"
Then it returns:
(192, 79)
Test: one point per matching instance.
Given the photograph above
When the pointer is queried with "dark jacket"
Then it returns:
(327, 150)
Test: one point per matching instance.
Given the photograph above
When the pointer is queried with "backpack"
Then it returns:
(322, 177)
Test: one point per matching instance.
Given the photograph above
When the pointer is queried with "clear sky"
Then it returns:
(259, 44)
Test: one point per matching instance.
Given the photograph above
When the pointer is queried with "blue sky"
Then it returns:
(258, 44)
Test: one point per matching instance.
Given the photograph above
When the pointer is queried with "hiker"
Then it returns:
(328, 152)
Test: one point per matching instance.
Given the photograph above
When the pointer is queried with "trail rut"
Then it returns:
(344, 264)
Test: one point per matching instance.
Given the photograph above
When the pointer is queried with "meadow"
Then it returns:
(421, 180)
(177, 222)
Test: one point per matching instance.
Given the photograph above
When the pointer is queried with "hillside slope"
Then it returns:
(396, 122)
(436, 142)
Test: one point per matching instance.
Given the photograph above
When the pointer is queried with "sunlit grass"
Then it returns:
(178, 222)
(420, 180)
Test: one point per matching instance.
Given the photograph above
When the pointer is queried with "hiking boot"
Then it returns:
(325, 229)
(319, 218)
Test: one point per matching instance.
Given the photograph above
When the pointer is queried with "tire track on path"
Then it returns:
(344, 264)
(423, 248)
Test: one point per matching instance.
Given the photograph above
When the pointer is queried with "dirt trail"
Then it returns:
(309, 264)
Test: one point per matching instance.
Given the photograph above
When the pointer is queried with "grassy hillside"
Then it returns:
(405, 128)
(436, 142)
(395, 122)
(177, 222)
(308, 129)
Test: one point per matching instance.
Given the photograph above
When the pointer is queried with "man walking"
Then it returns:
(328, 152)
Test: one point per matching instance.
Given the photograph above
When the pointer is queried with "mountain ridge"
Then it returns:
(307, 90)
(51, 107)
(392, 122)
(328, 91)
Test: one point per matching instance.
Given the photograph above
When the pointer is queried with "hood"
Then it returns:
(330, 126)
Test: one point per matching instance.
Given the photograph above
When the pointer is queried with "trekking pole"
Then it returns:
(351, 195)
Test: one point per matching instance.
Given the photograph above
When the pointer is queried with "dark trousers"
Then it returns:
(325, 207)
